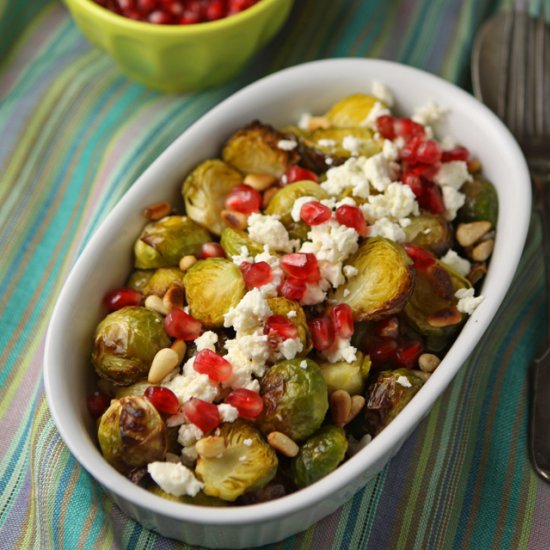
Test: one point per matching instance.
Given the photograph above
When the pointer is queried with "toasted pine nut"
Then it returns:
(155, 303)
(282, 443)
(316, 122)
(236, 220)
(211, 446)
(157, 211)
(483, 250)
(469, 233)
(260, 182)
(477, 272)
(423, 375)
(186, 262)
(173, 298)
(180, 347)
(164, 362)
(340, 406)
(428, 362)
(357, 403)
(268, 195)
(445, 318)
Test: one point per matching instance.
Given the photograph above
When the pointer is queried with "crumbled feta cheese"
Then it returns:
(341, 350)
(461, 265)
(228, 413)
(247, 442)
(382, 92)
(291, 314)
(376, 111)
(453, 201)
(350, 271)
(332, 273)
(269, 230)
(243, 256)
(249, 313)
(290, 347)
(397, 201)
(454, 174)
(348, 176)
(390, 151)
(194, 384)
(404, 381)
(174, 479)
(331, 241)
(303, 122)
(326, 143)
(189, 434)
(247, 354)
(329, 161)
(297, 207)
(356, 446)
(287, 144)
(429, 114)
(352, 144)
(270, 289)
(346, 292)
(384, 227)
(447, 143)
(467, 302)
(189, 455)
(207, 340)
(303, 364)
(314, 294)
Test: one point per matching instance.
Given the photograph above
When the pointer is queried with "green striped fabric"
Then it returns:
(76, 134)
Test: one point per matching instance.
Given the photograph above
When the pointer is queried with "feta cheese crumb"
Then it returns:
(454, 174)
(350, 271)
(382, 92)
(461, 265)
(189, 434)
(429, 114)
(376, 111)
(303, 364)
(291, 314)
(287, 144)
(193, 384)
(352, 144)
(326, 143)
(174, 478)
(331, 242)
(314, 294)
(467, 302)
(207, 340)
(243, 256)
(453, 201)
(404, 381)
(303, 122)
(269, 230)
(397, 201)
(247, 442)
(384, 227)
(228, 413)
(341, 350)
(249, 313)
(290, 347)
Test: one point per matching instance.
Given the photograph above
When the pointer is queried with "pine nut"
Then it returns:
(180, 347)
(357, 404)
(268, 195)
(173, 297)
(483, 250)
(282, 443)
(260, 182)
(157, 211)
(186, 262)
(210, 447)
(445, 318)
(469, 233)
(477, 272)
(164, 362)
(236, 220)
(340, 406)
(155, 303)
(428, 362)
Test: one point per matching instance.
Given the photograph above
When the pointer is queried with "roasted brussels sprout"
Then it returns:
(138, 279)
(283, 306)
(319, 455)
(481, 202)
(387, 396)
(295, 398)
(163, 243)
(134, 389)
(350, 377)
(212, 288)
(125, 343)
(384, 282)
(247, 463)
(132, 434)
(200, 499)
(205, 190)
(254, 149)
(162, 279)
(351, 111)
(232, 241)
(431, 232)
(335, 142)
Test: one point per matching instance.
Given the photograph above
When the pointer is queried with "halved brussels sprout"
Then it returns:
(384, 282)
(481, 202)
(139, 278)
(247, 463)
(254, 150)
(212, 287)
(200, 499)
(295, 399)
(162, 279)
(132, 434)
(282, 202)
(352, 110)
(319, 455)
(283, 306)
(350, 377)
(125, 343)
(232, 241)
(430, 231)
(138, 388)
(387, 396)
(333, 142)
(163, 243)
(205, 190)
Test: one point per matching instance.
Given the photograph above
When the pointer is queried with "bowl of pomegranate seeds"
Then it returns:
(180, 45)
(282, 296)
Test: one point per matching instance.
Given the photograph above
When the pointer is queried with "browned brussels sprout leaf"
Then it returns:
(431, 232)
(481, 202)
(232, 241)
(162, 279)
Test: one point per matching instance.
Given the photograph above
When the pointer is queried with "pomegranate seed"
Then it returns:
(146, 6)
(293, 289)
(203, 414)
(382, 352)
(385, 126)
(322, 333)
(243, 198)
(315, 213)
(341, 316)
(216, 367)
(97, 403)
(247, 402)
(189, 18)
(428, 152)
(160, 18)
(279, 328)
(301, 265)
(211, 250)
(431, 198)
(163, 399)
(409, 151)
(257, 274)
(408, 354)
(297, 173)
(387, 328)
(407, 128)
(215, 10)
(182, 326)
(458, 153)
(420, 256)
(351, 216)
(414, 182)
(122, 297)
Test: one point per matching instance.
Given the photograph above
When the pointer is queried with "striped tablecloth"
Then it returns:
(75, 134)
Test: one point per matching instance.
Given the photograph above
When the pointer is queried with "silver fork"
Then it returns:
(521, 99)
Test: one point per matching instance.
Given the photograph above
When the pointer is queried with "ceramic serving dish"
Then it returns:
(104, 264)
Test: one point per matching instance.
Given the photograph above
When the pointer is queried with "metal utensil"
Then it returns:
(511, 75)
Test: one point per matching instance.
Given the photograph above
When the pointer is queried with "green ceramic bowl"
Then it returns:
(181, 58)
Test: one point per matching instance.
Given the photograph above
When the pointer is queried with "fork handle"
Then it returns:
(540, 406)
